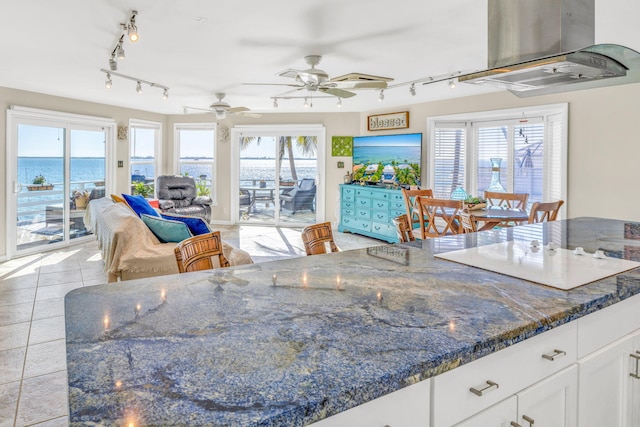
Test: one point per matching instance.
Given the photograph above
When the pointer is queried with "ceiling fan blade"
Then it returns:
(340, 93)
(206, 110)
(290, 72)
(237, 109)
(271, 84)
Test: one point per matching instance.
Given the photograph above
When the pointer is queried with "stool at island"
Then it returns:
(370, 211)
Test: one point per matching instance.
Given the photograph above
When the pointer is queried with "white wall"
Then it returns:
(604, 145)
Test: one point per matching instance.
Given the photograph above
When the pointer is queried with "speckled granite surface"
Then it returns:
(335, 331)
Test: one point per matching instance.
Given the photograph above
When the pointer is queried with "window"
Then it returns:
(196, 155)
(530, 145)
(144, 143)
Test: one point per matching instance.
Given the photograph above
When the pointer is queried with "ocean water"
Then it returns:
(372, 154)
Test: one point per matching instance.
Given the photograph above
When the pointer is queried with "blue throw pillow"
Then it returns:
(140, 205)
(167, 230)
(196, 224)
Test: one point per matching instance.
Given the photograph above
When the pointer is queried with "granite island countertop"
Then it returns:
(231, 347)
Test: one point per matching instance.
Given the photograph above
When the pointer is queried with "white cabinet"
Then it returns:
(407, 407)
(609, 394)
(549, 403)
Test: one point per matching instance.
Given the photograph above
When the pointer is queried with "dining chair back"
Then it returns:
(413, 210)
(201, 252)
(403, 228)
(439, 217)
(467, 222)
(317, 237)
(541, 212)
(507, 200)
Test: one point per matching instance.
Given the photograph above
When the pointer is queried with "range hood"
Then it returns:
(547, 46)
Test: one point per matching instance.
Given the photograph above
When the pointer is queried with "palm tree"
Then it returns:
(308, 145)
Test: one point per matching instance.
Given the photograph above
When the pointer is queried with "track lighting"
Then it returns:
(275, 102)
(113, 64)
(109, 82)
(412, 89)
(381, 97)
(132, 30)
(452, 84)
(339, 102)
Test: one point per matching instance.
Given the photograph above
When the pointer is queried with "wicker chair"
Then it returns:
(316, 237)
(198, 252)
(403, 228)
(541, 212)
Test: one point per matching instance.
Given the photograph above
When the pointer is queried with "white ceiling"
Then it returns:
(200, 47)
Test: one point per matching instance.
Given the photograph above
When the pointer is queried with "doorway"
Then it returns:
(278, 180)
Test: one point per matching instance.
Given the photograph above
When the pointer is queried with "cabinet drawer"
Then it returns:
(364, 193)
(361, 224)
(363, 203)
(511, 369)
(363, 214)
(381, 205)
(384, 229)
(380, 216)
(348, 197)
(348, 191)
(393, 213)
(348, 205)
(604, 326)
(407, 407)
(348, 212)
(381, 195)
(396, 196)
(398, 205)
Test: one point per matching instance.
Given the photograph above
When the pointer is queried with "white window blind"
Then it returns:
(448, 159)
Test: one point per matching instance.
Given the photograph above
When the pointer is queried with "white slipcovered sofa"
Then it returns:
(130, 250)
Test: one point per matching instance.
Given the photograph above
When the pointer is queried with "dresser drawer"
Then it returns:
(360, 192)
(381, 195)
(380, 216)
(393, 213)
(363, 213)
(511, 369)
(381, 205)
(384, 229)
(398, 205)
(348, 212)
(363, 203)
(348, 205)
(357, 224)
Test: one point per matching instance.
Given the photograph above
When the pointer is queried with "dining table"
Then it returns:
(494, 216)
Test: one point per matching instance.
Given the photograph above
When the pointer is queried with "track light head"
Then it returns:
(108, 83)
(119, 51)
(275, 102)
(306, 103)
(339, 102)
(132, 32)
(113, 64)
(412, 89)
(139, 88)
(452, 84)
(381, 97)
(165, 94)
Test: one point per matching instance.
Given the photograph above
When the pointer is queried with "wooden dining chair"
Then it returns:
(467, 222)
(507, 200)
(413, 210)
(439, 217)
(541, 212)
(403, 229)
(317, 237)
(199, 252)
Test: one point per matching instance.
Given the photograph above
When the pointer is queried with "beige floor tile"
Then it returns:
(45, 358)
(59, 278)
(48, 308)
(49, 329)
(43, 398)
(68, 265)
(94, 274)
(19, 296)
(8, 402)
(56, 422)
(17, 313)
(12, 362)
(14, 336)
(57, 291)
(12, 281)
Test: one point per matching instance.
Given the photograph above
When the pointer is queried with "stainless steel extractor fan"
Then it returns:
(316, 80)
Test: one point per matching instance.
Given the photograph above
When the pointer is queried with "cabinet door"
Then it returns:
(634, 371)
(499, 415)
(552, 402)
(605, 386)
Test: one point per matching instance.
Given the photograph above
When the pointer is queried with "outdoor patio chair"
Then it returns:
(302, 197)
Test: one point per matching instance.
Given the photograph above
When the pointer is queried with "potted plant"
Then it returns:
(39, 184)
(142, 189)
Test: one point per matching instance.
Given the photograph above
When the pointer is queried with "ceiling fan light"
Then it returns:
(306, 103)
(139, 88)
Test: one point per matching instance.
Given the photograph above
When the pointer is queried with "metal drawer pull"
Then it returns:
(556, 354)
(636, 356)
(488, 387)
(528, 419)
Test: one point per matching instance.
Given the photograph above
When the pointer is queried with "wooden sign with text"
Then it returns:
(388, 121)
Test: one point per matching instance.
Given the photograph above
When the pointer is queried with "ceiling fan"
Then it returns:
(314, 79)
(222, 109)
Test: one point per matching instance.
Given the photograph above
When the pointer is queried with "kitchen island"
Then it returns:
(289, 343)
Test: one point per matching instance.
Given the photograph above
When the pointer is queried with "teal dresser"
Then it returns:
(370, 210)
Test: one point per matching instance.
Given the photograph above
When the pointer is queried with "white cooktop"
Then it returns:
(558, 268)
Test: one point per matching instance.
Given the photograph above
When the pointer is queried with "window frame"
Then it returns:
(207, 126)
(157, 156)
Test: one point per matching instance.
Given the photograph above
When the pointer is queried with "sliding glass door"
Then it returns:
(278, 180)
(57, 167)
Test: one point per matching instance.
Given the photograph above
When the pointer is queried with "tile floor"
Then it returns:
(33, 376)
